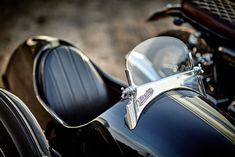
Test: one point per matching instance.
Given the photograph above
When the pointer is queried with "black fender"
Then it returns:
(18, 76)
(177, 123)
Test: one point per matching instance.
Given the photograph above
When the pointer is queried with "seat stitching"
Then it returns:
(78, 72)
(54, 82)
(64, 73)
(90, 75)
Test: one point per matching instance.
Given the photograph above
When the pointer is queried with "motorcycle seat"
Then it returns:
(70, 86)
(217, 16)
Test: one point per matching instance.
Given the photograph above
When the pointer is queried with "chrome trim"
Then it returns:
(129, 77)
(143, 94)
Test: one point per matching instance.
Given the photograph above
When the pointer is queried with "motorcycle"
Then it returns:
(164, 110)
(211, 44)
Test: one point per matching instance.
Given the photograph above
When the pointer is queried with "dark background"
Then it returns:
(105, 30)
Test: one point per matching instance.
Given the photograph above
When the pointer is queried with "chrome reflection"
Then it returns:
(139, 97)
(157, 58)
(155, 66)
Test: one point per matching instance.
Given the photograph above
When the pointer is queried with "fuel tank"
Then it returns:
(176, 123)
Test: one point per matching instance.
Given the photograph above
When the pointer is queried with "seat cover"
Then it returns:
(216, 15)
(70, 86)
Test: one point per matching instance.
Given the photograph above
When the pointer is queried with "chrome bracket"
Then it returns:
(139, 97)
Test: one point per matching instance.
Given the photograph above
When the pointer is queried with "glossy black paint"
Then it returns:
(85, 141)
(166, 128)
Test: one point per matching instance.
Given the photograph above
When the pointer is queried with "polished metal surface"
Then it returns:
(155, 66)
(176, 122)
(146, 93)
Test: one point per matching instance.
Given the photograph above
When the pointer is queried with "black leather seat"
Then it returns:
(69, 86)
(216, 15)
(22, 127)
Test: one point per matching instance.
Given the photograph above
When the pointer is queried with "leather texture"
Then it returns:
(22, 126)
(216, 15)
(71, 86)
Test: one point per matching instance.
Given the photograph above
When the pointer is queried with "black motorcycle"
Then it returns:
(164, 110)
(211, 44)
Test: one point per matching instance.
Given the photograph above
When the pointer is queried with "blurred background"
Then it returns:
(106, 30)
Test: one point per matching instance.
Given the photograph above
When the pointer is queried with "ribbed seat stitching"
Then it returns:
(90, 76)
(57, 88)
(65, 76)
(77, 72)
